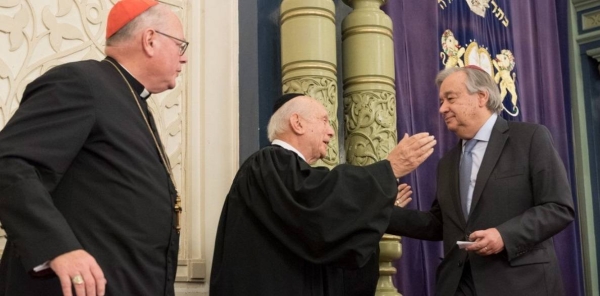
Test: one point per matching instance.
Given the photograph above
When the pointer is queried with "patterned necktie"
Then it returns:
(466, 164)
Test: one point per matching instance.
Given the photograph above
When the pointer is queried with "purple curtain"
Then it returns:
(530, 31)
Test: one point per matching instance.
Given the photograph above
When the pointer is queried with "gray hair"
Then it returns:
(153, 16)
(477, 81)
(279, 122)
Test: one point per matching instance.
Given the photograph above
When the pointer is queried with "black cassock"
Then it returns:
(290, 229)
(79, 170)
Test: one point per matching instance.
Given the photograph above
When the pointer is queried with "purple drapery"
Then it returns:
(533, 38)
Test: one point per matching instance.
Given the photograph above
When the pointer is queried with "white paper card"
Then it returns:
(463, 244)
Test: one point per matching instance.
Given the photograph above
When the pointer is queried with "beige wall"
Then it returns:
(198, 120)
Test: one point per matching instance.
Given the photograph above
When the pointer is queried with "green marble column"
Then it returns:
(308, 58)
(370, 104)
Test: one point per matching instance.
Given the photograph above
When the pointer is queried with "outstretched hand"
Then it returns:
(404, 195)
(78, 269)
(410, 153)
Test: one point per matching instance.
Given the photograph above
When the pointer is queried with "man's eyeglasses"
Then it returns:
(182, 46)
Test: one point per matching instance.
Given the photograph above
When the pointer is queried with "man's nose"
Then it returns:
(443, 108)
(330, 131)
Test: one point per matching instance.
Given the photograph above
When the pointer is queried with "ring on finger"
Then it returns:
(77, 280)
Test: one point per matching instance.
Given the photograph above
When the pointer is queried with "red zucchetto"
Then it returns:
(125, 11)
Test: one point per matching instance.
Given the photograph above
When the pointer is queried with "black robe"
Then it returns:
(79, 170)
(289, 229)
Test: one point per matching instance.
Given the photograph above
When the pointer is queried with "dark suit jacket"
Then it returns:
(523, 191)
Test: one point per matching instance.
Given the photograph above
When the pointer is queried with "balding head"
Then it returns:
(279, 122)
(302, 122)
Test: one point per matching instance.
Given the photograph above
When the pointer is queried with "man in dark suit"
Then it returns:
(507, 194)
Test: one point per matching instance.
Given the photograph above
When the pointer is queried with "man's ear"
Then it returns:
(148, 42)
(482, 98)
(296, 124)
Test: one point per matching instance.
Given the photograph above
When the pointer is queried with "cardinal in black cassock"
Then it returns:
(86, 193)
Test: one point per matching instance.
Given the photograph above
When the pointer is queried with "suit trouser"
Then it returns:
(466, 286)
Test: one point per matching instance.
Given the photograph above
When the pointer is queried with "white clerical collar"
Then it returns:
(145, 93)
(288, 147)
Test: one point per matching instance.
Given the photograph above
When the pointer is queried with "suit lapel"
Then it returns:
(492, 154)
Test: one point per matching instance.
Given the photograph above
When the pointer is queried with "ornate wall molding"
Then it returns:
(585, 4)
(36, 36)
(590, 20)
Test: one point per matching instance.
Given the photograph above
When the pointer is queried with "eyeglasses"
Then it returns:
(182, 46)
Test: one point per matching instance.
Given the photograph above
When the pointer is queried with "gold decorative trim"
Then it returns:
(307, 12)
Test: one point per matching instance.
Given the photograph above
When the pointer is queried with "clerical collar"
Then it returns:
(288, 147)
(136, 85)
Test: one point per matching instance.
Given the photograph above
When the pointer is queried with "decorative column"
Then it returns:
(370, 104)
(390, 249)
(308, 58)
(585, 44)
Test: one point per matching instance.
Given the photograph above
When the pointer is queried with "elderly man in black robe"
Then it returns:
(86, 195)
(290, 229)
